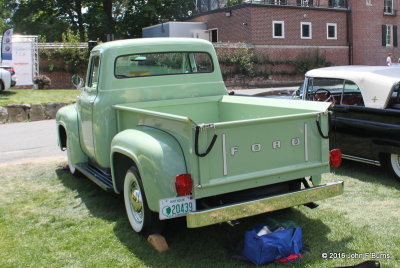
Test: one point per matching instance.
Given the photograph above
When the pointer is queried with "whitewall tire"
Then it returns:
(394, 163)
(141, 219)
(71, 165)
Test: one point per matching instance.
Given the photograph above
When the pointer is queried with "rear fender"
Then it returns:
(68, 129)
(156, 154)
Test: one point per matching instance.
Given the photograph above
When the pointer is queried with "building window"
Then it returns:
(389, 35)
(278, 29)
(389, 31)
(368, 2)
(337, 3)
(279, 2)
(388, 7)
(305, 3)
(214, 35)
(306, 32)
(331, 31)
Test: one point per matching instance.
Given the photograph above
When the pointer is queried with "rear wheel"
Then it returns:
(1, 86)
(141, 218)
(392, 161)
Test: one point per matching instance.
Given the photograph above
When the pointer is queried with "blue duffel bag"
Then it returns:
(273, 246)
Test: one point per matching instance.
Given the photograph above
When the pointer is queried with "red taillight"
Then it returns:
(335, 159)
(11, 70)
(183, 184)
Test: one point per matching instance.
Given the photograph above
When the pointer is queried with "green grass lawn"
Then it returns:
(49, 218)
(34, 96)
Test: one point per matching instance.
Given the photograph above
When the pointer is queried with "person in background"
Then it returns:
(389, 59)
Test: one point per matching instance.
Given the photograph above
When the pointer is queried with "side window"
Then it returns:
(93, 76)
(305, 28)
(278, 29)
(388, 6)
(331, 31)
(389, 35)
(351, 94)
(213, 35)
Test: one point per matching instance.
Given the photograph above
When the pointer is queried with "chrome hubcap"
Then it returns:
(136, 202)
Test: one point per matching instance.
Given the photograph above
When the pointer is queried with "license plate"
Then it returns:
(176, 207)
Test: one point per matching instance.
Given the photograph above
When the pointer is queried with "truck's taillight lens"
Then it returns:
(335, 159)
(183, 184)
(12, 71)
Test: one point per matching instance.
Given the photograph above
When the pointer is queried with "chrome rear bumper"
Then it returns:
(251, 208)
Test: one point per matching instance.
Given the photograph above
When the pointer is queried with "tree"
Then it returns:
(72, 12)
(143, 13)
(123, 18)
(5, 15)
(36, 17)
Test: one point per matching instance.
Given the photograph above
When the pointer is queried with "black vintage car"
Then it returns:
(365, 120)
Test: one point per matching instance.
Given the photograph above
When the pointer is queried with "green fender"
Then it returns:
(67, 118)
(158, 157)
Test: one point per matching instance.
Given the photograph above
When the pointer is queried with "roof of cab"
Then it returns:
(375, 82)
(141, 45)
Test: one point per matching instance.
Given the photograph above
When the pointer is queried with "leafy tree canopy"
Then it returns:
(93, 19)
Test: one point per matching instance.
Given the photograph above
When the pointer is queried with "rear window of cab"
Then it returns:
(157, 64)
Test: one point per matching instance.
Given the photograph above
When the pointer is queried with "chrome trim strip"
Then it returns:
(306, 158)
(362, 160)
(224, 154)
(250, 208)
(266, 119)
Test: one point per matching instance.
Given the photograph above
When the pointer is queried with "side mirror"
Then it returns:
(77, 81)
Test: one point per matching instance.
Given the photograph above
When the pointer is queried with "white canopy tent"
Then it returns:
(25, 58)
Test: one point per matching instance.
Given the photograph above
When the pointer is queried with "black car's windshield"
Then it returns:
(338, 91)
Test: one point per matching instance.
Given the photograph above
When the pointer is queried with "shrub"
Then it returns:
(69, 58)
(41, 81)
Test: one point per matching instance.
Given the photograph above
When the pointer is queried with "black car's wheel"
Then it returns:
(392, 162)
(141, 219)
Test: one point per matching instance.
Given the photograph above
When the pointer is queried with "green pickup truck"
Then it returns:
(155, 123)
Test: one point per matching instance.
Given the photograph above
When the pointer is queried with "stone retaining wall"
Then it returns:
(29, 112)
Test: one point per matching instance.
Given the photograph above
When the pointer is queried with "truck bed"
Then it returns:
(259, 141)
(221, 109)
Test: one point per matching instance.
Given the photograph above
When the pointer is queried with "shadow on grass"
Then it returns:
(4, 94)
(102, 204)
(367, 173)
(201, 247)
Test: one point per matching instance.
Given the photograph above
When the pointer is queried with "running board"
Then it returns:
(98, 176)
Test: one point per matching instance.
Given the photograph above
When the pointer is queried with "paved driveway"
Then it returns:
(20, 142)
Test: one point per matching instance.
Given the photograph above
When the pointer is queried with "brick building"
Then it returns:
(345, 32)
(374, 33)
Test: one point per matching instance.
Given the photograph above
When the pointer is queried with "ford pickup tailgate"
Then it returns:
(252, 153)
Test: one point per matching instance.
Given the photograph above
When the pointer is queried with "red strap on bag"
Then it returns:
(291, 257)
